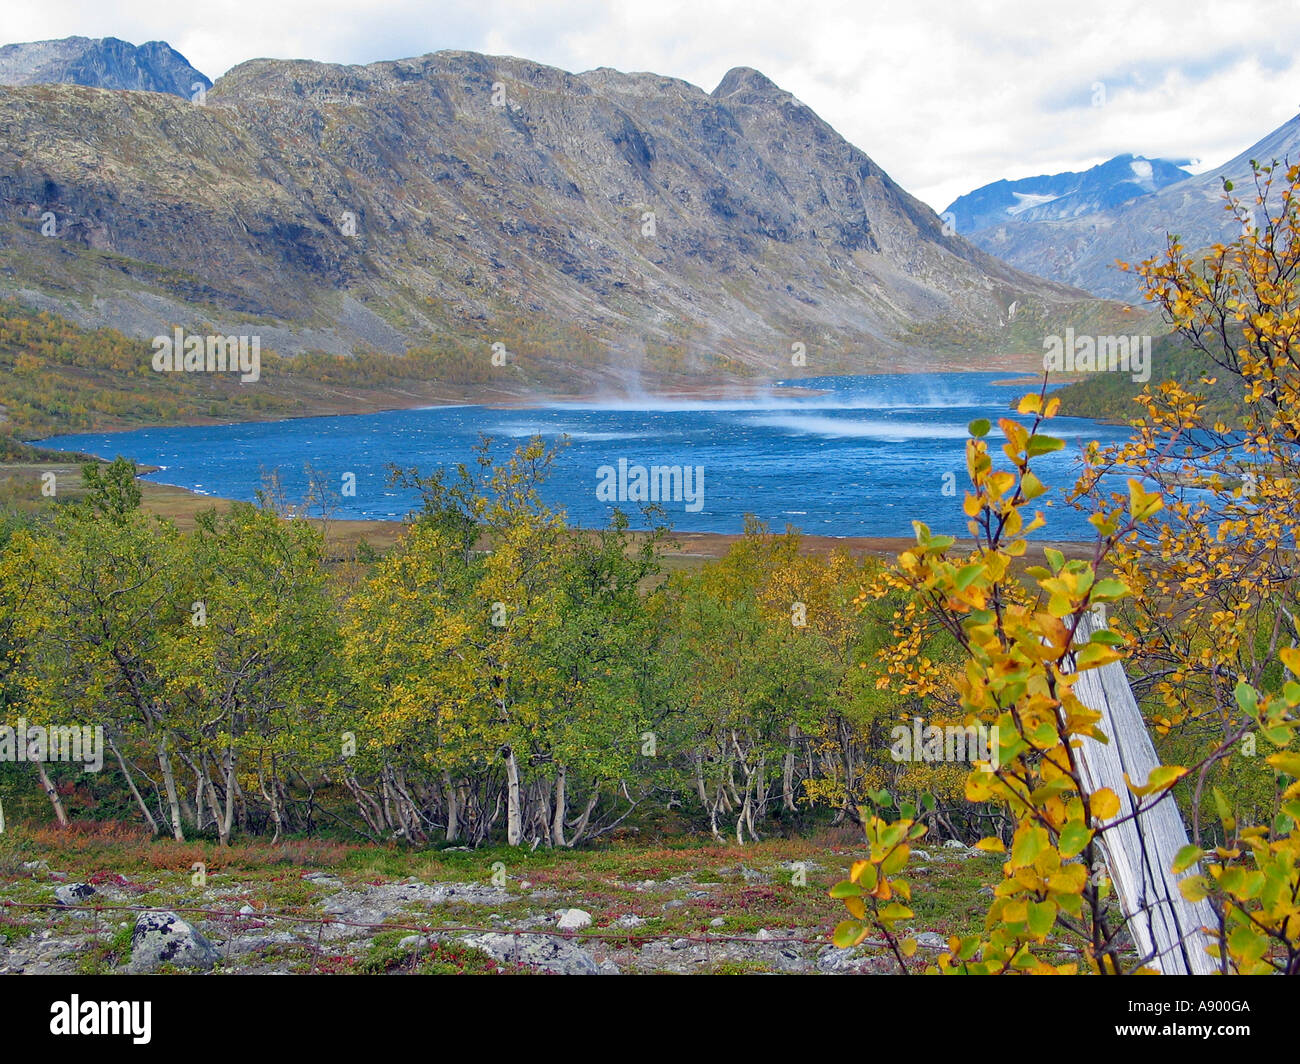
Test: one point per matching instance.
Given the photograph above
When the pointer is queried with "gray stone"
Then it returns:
(164, 938)
(931, 940)
(630, 920)
(717, 921)
(572, 919)
(547, 952)
(73, 893)
(323, 879)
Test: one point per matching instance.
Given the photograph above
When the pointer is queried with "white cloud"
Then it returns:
(944, 96)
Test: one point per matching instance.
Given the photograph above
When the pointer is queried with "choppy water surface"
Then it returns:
(863, 459)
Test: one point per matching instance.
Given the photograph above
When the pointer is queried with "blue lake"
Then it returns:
(863, 459)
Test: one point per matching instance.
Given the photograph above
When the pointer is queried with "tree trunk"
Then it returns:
(135, 793)
(52, 794)
(787, 773)
(228, 819)
(169, 784)
(580, 829)
(514, 811)
(453, 808)
(561, 808)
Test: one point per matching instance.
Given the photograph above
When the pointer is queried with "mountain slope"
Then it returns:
(105, 63)
(618, 222)
(1066, 195)
(1082, 250)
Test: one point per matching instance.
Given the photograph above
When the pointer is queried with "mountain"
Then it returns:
(615, 222)
(104, 63)
(1081, 250)
(1067, 195)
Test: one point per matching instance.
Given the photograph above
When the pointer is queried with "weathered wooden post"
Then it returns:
(1166, 928)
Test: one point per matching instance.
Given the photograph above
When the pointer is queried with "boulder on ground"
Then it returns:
(164, 938)
(73, 893)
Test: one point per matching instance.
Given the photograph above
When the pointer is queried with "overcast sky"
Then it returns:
(946, 96)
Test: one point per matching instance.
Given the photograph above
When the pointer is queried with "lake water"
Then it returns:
(863, 459)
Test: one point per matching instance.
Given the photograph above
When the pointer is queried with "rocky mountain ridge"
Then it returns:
(616, 222)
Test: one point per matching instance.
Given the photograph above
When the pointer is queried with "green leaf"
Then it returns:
(845, 889)
(849, 933)
(1030, 486)
(1043, 445)
(1042, 917)
(1185, 858)
(979, 427)
(1074, 837)
(1108, 590)
(967, 574)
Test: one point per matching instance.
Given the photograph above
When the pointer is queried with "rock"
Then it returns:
(923, 855)
(572, 919)
(954, 844)
(104, 62)
(73, 893)
(834, 961)
(608, 967)
(753, 875)
(764, 935)
(247, 910)
(717, 921)
(681, 943)
(630, 920)
(525, 885)
(323, 879)
(676, 903)
(540, 951)
(164, 938)
(931, 940)
(418, 942)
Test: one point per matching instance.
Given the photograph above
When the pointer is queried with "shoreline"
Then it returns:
(685, 548)
(382, 401)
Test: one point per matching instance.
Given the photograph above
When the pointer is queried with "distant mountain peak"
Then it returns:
(102, 63)
(1066, 195)
(747, 80)
(1077, 240)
